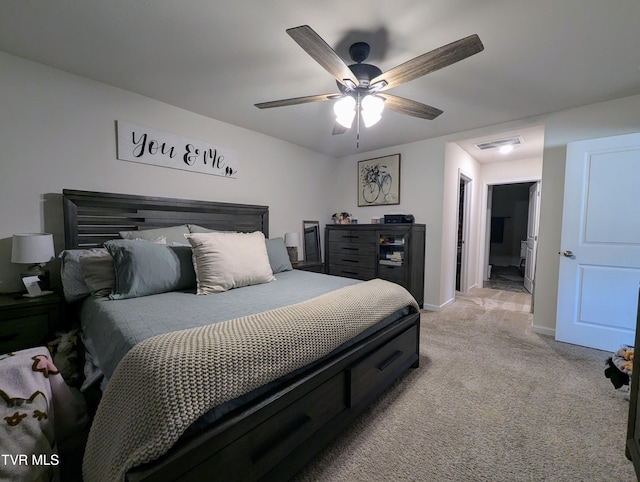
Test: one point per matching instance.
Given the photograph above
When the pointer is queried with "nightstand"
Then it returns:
(27, 322)
(315, 266)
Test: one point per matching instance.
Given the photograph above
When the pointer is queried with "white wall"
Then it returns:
(57, 131)
(458, 161)
(621, 116)
(421, 193)
(427, 191)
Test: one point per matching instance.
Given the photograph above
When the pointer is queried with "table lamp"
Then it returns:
(33, 249)
(292, 241)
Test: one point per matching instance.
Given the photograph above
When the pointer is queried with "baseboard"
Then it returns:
(543, 330)
(429, 307)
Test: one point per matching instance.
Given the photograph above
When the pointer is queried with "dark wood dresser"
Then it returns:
(394, 252)
(633, 426)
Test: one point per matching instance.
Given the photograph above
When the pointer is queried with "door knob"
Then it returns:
(568, 254)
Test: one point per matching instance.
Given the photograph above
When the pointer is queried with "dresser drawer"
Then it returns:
(395, 274)
(352, 236)
(348, 258)
(356, 272)
(277, 436)
(341, 247)
(23, 332)
(382, 363)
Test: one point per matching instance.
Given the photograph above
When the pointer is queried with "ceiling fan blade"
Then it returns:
(338, 129)
(431, 61)
(322, 53)
(410, 107)
(295, 101)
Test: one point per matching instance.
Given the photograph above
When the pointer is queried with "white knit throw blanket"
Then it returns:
(167, 382)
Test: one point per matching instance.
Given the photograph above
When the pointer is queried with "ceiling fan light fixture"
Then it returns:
(372, 107)
(378, 86)
(344, 109)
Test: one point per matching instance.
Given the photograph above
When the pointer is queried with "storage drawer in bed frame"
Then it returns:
(274, 438)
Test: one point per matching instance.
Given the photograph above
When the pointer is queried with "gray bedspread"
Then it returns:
(112, 327)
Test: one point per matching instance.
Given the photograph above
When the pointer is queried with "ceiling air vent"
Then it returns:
(495, 144)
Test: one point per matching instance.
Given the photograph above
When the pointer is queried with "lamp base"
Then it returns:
(41, 273)
(42, 293)
(293, 254)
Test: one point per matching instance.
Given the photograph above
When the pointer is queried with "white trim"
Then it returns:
(543, 330)
(429, 307)
(485, 218)
(466, 220)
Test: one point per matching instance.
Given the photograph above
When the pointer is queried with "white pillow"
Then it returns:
(223, 261)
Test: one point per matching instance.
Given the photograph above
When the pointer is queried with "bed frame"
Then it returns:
(273, 437)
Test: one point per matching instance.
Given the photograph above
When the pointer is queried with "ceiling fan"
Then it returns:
(362, 86)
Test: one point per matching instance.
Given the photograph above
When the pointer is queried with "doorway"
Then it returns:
(464, 196)
(510, 223)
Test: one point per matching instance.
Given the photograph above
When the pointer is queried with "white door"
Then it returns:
(532, 236)
(600, 243)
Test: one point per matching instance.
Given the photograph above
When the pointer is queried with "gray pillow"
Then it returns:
(278, 255)
(98, 274)
(173, 234)
(143, 268)
(74, 286)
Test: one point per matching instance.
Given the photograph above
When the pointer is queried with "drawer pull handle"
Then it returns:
(9, 337)
(350, 260)
(351, 249)
(385, 364)
(349, 272)
(281, 438)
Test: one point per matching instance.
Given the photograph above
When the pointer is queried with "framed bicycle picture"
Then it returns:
(379, 181)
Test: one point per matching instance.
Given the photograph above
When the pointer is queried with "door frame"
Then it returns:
(485, 234)
(466, 215)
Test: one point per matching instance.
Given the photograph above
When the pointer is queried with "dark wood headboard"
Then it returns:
(91, 218)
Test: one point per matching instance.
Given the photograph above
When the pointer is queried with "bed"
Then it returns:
(297, 357)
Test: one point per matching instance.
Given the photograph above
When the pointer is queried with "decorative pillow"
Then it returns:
(73, 284)
(278, 255)
(194, 228)
(143, 268)
(98, 274)
(173, 234)
(229, 260)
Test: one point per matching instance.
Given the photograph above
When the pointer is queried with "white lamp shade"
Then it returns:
(291, 240)
(344, 109)
(372, 107)
(31, 248)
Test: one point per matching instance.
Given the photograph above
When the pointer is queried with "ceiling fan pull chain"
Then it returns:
(358, 122)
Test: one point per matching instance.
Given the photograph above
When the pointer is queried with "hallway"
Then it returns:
(506, 278)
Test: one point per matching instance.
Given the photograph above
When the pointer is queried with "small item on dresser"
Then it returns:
(399, 219)
(341, 218)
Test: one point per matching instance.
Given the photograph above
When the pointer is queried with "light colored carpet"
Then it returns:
(491, 401)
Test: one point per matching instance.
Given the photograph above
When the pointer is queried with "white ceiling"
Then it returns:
(218, 58)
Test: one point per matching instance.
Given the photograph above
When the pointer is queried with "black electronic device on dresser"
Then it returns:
(394, 252)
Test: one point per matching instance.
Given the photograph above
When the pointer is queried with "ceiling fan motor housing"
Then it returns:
(364, 73)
